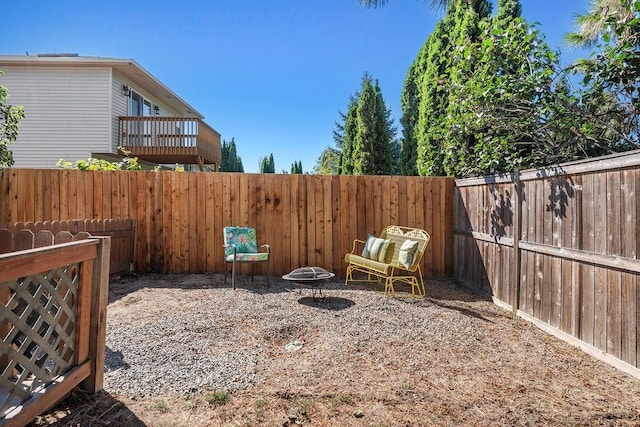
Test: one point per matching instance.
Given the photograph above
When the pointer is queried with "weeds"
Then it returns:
(218, 397)
(162, 407)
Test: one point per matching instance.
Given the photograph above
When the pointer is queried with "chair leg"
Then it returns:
(233, 275)
(268, 271)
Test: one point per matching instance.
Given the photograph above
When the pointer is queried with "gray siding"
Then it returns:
(120, 107)
(67, 113)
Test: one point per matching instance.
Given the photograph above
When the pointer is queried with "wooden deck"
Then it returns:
(170, 140)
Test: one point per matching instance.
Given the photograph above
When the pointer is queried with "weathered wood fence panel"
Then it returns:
(53, 302)
(560, 247)
(121, 231)
(308, 219)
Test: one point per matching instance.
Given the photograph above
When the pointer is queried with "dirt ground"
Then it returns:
(452, 358)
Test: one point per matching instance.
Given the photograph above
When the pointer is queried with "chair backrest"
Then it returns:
(242, 238)
(398, 235)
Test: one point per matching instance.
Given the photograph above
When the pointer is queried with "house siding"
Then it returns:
(120, 107)
(67, 113)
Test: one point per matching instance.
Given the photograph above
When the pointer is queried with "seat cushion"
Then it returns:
(367, 263)
(242, 238)
(254, 257)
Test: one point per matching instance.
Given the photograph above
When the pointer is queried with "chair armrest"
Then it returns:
(230, 246)
(268, 248)
(353, 249)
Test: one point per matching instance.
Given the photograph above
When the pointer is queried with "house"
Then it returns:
(78, 107)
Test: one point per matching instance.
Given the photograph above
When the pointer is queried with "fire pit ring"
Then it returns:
(312, 277)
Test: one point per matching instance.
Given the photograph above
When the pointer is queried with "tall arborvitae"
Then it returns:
(410, 100)
(267, 164)
(372, 145)
(432, 97)
(296, 167)
(231, 162)
(467, 25)
(350, 129)
(460, 26)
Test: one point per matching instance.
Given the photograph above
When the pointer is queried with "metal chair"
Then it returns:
(240, 245)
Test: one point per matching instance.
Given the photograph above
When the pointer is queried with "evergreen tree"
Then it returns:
(461, 26)
(410, 101)
(345, 140)
(364, 137)
(231, 162)
(396, 152)
(267, 164)
(371, 151)
(296, 167)
(431, 97)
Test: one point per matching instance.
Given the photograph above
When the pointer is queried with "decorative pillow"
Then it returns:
(376, 248)
(407, 253)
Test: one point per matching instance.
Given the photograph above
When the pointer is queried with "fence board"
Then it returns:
(327, 243)
(195, 231)
(283, 210)
(296, 225)
(578, 250)
(180, 216)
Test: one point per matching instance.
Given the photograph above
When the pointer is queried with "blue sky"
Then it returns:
(273, 74)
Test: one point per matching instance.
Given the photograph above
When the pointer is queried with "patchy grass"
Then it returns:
(450, 359)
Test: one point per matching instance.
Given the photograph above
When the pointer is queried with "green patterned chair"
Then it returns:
(241, 245)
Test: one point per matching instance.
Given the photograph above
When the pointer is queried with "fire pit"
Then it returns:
(312, 277)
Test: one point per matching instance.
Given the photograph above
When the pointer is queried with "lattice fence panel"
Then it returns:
(38, 327)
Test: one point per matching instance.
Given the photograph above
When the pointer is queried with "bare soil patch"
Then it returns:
(352, 358)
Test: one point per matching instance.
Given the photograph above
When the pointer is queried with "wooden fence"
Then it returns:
(121, 231)
(53, 303)
(559, 247)
(307, 219)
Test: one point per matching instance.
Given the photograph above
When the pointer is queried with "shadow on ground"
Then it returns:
(327, 303)
(120, 286)
(98, 410)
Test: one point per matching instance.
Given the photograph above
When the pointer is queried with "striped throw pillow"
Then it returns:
(376, 248)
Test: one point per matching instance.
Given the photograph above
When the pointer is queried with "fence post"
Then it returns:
(517, 231)
(98, 322)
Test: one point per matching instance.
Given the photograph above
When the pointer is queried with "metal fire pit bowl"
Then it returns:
(312, 277)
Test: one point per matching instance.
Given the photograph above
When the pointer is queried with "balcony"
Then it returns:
(170, 140)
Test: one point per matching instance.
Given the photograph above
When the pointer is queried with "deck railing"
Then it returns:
(52, 323)
(170, 139)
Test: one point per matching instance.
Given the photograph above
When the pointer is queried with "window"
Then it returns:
(139, 106)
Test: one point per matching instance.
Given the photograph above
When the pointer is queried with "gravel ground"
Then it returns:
(354, 357)
(215, 338)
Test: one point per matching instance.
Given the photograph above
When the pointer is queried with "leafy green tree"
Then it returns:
(329, 162)
(231, 162)
(10, 117)
(515, 107)
(612, 76)
(267, 164)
